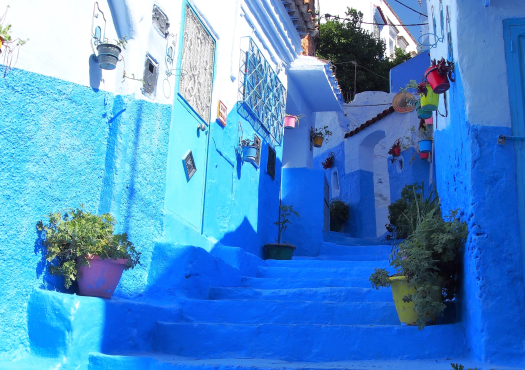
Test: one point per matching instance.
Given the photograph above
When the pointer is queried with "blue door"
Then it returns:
(515, 53)
(187, 156)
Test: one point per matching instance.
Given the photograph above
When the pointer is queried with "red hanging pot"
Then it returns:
(439, 83)
(424, 155)
(397, 151)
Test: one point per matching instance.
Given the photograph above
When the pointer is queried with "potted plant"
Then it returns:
(249, 150)
(339, 213)
(425, 134)
(329, 161)
(290, 121)
(395, 150)
(319, 135)
(281, 251)
(439, 74)
(81, 245)
(109, 52)
(427, 269)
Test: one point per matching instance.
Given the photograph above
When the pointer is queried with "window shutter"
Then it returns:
(270, 167)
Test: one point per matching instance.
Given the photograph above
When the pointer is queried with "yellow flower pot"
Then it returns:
(1, 43)
(318, 141)
(431, 101)
(405, 311)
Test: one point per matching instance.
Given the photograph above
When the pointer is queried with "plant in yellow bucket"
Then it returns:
(426, 262)
(319, 134)
(429, 99)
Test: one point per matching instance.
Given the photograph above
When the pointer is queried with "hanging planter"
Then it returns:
(319, 135)
(395, 150)
(424, 155)
(290, 121)
(425, 146)
(249, 153)
(430, 121)
(108, 55)
(318, 141)
(430, 100)
(439, 74)
(329, 161)
(1, 43)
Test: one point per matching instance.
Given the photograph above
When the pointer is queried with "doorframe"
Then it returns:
(517, 113)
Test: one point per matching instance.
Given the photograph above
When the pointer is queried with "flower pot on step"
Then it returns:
(425, 146)
(101, 277)
(249, 153)
(278, 251)
(439, 83)
(289, 122)
(108, 55)
(318, 141)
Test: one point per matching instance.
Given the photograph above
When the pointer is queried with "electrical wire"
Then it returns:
(366, 105)
(379, 24)
(414, 10)
(363, 68)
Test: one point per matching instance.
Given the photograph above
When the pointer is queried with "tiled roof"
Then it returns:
(301, 13)
(380, 116)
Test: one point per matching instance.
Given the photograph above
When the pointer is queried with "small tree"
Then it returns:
(282, 223)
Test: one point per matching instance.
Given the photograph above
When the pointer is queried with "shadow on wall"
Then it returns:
(95, 73)
(244, 235)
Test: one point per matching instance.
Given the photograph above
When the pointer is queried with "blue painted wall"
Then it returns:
(412, 69)
(303, 189)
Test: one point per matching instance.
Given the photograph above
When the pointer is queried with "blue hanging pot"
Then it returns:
(249, 153)
(425, 146)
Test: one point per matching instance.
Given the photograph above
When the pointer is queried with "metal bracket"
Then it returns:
(502, 138)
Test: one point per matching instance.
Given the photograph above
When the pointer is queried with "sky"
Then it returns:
(338, 7)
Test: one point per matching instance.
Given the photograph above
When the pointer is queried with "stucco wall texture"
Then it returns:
(64, 145)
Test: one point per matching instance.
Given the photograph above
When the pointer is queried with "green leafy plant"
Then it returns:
(7, 47)
(457, 366)
(284, 221)
(429, 259)
(339, 213)
(74, 235)
(323, 132)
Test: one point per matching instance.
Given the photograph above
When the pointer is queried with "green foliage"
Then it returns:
(339, 213)
(408, 211)
(282, 223)
(77, 234)
(457, 366)
(5, 32)
(343, 41)
(379, 279)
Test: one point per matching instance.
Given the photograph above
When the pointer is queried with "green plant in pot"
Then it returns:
(109, 52)
(281, 251)
(427, 267)
(82, 246)
(339, 213)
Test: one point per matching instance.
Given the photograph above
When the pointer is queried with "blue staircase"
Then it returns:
(311, 311)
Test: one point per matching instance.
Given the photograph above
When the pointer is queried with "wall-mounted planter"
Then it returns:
(108, 55)
(1, 41)
(278, 251)
(439, 83)
(425, 146)
(290, 122)
(101, 277)
(249, 153)
(396, 151)
(318, 141)
(423, 114)
(430, 121)
(424, 155)
(431, 101)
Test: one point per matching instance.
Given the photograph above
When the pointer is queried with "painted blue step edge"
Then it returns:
(311, 343)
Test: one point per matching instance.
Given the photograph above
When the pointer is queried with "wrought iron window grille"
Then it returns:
(160, 21)
(261, 92)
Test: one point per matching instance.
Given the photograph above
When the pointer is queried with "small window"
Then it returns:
(270, 167)
(189, 165)
(335, 183)
(151, 73)
(257, 142)
(160, 21)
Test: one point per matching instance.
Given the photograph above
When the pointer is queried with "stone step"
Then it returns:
(356, 257)
(318, 263)
(327, 294)
(316, 273)
(98, 361)
(328, 248)
(290, 312)
(291, 283)
(309, 342)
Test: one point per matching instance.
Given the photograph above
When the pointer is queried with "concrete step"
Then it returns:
(318, 263)
(343, 294)
(291, 283)
(290, 312)
(347, 239)
(98, 361)
(335, 257)
(331, 249)
(318, 273)
(309, 342)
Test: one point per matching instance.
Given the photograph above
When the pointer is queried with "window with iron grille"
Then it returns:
(160, 20)
(198, 54)
(151, 74)
(262, 92)
(257, 143)
(270, 166)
